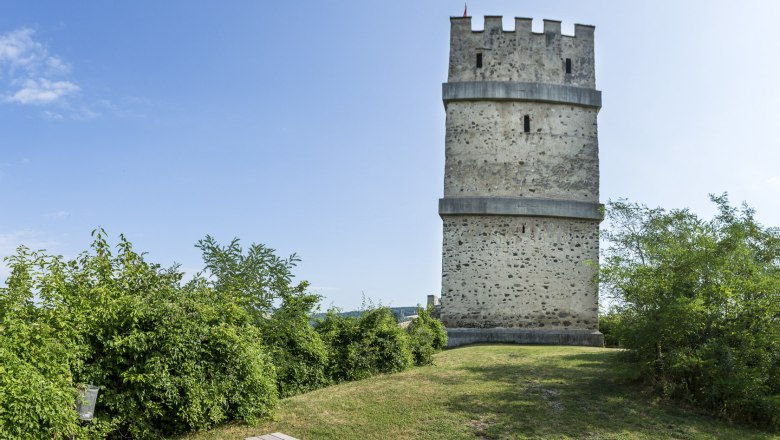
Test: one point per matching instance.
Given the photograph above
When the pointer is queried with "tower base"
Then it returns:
(464, 336)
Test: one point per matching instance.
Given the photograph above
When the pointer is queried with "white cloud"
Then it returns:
(52, 115)
(29, 72)
(774, 181)
(42, 91)
(60, 214)
(18, 51)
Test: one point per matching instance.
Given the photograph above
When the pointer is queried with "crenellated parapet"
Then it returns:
(495, 23)
(498, 54)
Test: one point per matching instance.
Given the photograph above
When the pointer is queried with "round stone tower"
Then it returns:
(521, 208)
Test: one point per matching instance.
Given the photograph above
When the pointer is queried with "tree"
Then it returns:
(261, 282)
(257, 279)
(700, 304)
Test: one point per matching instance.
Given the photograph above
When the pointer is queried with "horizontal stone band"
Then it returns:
(464, 336)
(520, 206)
(520, 91)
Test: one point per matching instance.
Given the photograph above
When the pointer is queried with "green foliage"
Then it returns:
(427, 336)
(699, 305)
(172, 357)
(258, 280)
(168, 357)
(37, 392)
(609, 324)
(299, 353)
(399, 312)
(365, 346)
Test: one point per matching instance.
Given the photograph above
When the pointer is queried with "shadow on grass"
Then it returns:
(575, 395)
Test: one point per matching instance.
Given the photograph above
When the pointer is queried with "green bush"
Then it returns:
(168, 358)
(365, 346)
(171, 357)
(38, 347)
(427, 336)
(37, 393)
(609, 325)
(299, 354)
(257, 279)
(699, 305)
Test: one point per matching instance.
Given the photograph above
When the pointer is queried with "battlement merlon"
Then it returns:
(496, 54)
(494, 23)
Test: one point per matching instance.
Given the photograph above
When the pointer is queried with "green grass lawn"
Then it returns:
(491, 392)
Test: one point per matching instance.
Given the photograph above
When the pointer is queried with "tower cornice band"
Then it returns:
(520, 91)
(520, 206)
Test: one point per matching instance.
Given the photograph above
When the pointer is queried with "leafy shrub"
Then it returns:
(39, 345)
(171, 357)
(427, 336)
(168, 358)
(365, 346)
(299, 354)
(258, 279)
(699, 305)
(609, 325)
(37, 393)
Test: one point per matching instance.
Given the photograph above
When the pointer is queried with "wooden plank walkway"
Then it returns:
(272, 436)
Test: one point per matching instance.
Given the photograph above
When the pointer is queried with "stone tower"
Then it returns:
(521, 208)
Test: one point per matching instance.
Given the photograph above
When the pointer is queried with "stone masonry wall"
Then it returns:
(488, 154)
(521, 55)
(521, 272)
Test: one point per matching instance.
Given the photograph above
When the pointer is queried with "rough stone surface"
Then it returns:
(520, 207)
(487, 152)
(519, 272)
(521, 55)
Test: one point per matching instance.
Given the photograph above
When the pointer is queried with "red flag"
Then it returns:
(465, 10)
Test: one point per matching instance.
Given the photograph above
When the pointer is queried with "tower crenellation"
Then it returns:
(521, 206)
(521, 54)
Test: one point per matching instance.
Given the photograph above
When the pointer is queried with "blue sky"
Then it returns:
(318, 127)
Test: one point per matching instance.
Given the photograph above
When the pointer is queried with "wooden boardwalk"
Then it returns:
(273, 436)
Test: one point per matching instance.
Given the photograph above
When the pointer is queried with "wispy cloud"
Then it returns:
(19, 50)
(60, 214)
(774, 181)
(31, 75)
(42, 91)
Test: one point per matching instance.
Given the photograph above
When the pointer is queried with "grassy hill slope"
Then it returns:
(491, 392)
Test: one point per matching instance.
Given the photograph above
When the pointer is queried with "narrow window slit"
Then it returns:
(527, 124)
(523, 229)
(568, 65)
(479, 60)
